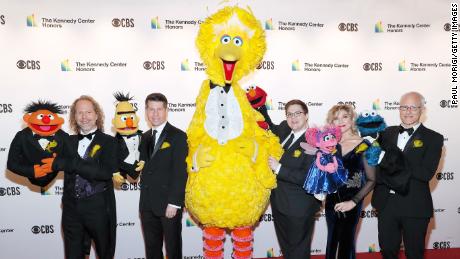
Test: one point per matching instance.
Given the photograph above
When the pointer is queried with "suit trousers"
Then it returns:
(391, 226)
(155, 227)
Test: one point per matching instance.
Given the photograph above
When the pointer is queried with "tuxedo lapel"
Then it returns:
(417, 135)
(33, 141)
(160, 139)
(90, 148)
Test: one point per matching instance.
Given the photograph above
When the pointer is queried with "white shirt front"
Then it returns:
(159, 130)
(132, 144)
(84, 143)
(224, 120)
(404, 137)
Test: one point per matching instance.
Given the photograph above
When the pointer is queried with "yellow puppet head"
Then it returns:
(231, 43)
(126, 121)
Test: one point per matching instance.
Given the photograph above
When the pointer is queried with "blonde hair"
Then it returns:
(97, 109)
(332, 115)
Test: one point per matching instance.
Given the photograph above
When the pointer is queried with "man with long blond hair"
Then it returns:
(88, 203)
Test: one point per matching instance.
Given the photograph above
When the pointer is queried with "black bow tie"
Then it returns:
(130, 136)
(88, 136)
(38, 137)
(409, 130)
(226, 87)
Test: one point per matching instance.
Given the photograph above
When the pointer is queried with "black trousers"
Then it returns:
(93, 218)
(341, 230)
(155, 227)
(294, 234)
(391, 226)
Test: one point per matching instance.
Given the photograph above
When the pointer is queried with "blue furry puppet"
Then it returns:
(370, 124)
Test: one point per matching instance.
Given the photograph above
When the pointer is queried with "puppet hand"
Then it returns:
(203, 157)
(40, 171)
(118, 178)
(308, 149)
(330, 168)
(140, 166)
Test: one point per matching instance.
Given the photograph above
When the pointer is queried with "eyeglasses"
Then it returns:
(293, 115)
(409, 108)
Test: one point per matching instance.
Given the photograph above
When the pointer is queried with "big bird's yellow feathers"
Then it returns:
(234, 190)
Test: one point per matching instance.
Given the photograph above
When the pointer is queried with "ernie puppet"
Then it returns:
(43, 139)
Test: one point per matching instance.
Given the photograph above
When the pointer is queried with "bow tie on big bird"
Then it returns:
(229, 179)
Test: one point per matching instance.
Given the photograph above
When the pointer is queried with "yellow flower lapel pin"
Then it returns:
(165, 145)
(418, 143)
(94, 150)
(297, 153)
(51, 145)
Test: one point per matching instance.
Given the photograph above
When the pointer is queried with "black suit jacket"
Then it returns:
(97, 167)
(123, 153)
(25, 152)
(408, 172)
(289, 197)
(164, 174)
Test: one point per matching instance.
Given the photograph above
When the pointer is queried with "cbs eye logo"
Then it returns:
(376, 66)
(348, 26)
(28, 64)
(154, 65)
(447, 27)
(43, 229)
(124, 22)
(10, 191)
(130, 186)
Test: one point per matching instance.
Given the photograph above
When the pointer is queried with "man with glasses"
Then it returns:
(402, 194)
(293, 209)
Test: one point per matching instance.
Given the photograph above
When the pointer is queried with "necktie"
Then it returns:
(409, 130)
(88, 136)
(152, 146)
(288, 142)
(226, 87)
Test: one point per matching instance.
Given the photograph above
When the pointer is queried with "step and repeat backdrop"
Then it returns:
(363, 53)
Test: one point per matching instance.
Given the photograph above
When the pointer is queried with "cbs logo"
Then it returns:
(28, 64)
(376, 66)
(124, 22)
(10, 191)
(130, 186)
(445, 176)
(266, 65)
(43, 229)
(441, 245)
(348, 26)
(154, 65)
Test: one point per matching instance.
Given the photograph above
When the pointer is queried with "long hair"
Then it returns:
(97, 109)
(332, 114)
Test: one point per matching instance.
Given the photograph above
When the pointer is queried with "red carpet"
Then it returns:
(452, 253)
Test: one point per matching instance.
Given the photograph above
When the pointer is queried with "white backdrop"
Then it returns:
(366, 53)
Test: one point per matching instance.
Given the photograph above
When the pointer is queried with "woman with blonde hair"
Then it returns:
(343, 207)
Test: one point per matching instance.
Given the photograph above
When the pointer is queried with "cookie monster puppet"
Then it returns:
(370, 124)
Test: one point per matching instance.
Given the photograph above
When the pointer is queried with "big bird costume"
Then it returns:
(229, 179)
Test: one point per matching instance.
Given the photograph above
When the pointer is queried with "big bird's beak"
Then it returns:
(230, 55)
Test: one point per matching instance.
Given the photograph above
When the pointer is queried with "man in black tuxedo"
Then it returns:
(402, 194)
(292, 208)
(88, 202)
(164, 149)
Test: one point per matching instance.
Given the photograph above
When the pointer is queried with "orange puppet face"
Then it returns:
(43, 122)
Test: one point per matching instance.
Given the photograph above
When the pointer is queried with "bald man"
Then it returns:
(402, 195)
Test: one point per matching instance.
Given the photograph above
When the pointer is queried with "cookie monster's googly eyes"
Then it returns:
(225, 39)
(237, 41)
(366, 114)
(373, 113)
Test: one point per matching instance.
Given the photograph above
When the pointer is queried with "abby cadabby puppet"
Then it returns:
(327, 173)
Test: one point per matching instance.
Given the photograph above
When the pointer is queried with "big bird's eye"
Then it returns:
(51, 116)
(373, 113)
(123, 118)
(40, 116)
(237, 41)
(225, 39)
